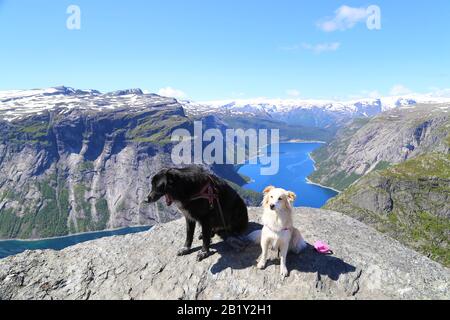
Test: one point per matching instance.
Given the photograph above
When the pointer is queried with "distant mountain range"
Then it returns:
(310, 113)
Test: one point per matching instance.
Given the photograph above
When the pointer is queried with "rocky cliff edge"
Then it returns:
(365, 265)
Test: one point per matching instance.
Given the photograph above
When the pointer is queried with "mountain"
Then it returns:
(394, 173)
(366, 265)
(78, 160)
(310, 113)
(297, 119)
(409, 201)
(373, 143)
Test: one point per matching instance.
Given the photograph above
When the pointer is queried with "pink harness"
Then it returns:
(210, 193)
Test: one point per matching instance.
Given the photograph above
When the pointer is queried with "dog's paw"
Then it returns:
(183, 251)
(284, 272)
(203, 255)
(261, 265)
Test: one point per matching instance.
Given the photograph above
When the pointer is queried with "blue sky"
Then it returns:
(208, 49)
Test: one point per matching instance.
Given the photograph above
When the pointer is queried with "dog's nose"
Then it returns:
(272, 206)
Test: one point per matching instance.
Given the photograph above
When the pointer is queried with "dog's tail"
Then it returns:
(300, 245)
(254, 237)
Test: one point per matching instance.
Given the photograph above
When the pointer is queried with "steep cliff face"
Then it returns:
(409, 201)
(394, 170)
(74, 161)
(365, 265)
(389, 138)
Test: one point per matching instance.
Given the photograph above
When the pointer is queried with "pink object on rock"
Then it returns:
(322, 247)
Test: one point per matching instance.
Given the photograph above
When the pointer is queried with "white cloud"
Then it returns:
(293, 93)
(345, 18)
(321, 47)
(171, 92)
(399, 90)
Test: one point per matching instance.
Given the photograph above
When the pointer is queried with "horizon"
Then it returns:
(203, 51)
(437, 96)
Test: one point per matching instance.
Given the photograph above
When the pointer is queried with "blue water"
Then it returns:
(12, 247)
(295, 167)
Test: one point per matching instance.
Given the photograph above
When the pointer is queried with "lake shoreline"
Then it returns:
(320, 185)
(308, 181)
(304, 141)
(293, 141)
(74, 234)
(295, 164)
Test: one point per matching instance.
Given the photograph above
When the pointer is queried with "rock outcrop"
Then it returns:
(409, 201)
(365, 265)
(389, 138)
(76, 161)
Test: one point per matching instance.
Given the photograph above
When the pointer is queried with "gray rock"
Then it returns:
(389, 138)
(75, 162)
(365, 265)
(409, 201)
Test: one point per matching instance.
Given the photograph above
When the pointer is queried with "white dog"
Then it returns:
(278, 231)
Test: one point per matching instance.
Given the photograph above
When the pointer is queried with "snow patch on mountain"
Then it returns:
(17, 104)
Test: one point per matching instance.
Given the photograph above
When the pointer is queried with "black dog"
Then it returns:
(204, 198)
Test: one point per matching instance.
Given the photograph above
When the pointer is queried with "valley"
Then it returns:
(76, 161)
(393, 170)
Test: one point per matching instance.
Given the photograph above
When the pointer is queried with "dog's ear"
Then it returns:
(162, 183)
(291, 196)
(268, 189)
(169, 176)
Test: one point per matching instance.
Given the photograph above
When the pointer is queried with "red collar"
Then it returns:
(284, 229)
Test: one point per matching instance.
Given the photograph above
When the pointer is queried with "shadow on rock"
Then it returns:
(311, 261)
(308, 261)
(237, 260)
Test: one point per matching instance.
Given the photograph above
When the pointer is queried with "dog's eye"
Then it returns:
(280, 198)
(271, 197)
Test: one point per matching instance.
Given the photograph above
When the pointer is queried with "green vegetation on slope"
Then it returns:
(157, 128)
(103, 214)
(388, 138)
(325, 161)
(28, 133)
(430, 165)
(49, 220)
(409, 201)
(251, 198)
(287, 132)
(382, 165)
